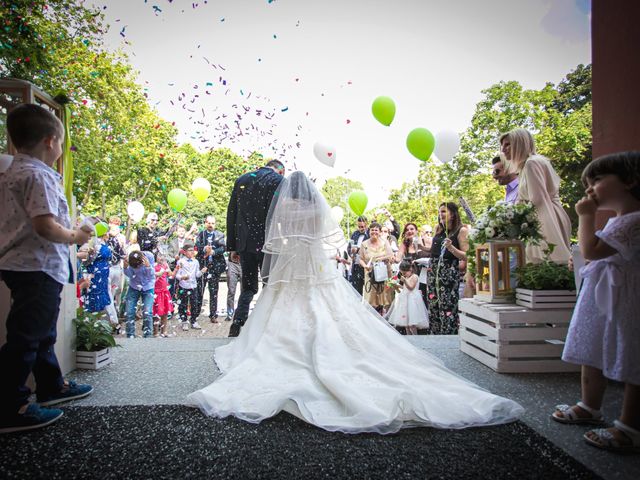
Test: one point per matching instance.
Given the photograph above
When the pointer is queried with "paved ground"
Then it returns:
(163, 371)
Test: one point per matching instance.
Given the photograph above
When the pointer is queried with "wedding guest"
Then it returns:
(538, 184)
(148, 236)
(408, 310)
(97, 265)
(162, 305)
(448, 248)
(357, 238)
(603, 333)
(246, 218)
(175, 247)
(34, 264)
(139, 269)
(187, 272)
(117, 243)
(375, 250)
(509, 181)
(411, 243)
(210, 245)
(234, 276)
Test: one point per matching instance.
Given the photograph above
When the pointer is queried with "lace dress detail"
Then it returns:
(604, 332)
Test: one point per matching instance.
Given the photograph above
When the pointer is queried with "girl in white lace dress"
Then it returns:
(604, 334)
(408, 309)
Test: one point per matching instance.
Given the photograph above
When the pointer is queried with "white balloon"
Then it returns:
(447, 145)
(201, 183)
(337, 213)
(325, 153)
(135, 210)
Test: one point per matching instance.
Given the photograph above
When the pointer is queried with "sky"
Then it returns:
(278, 76)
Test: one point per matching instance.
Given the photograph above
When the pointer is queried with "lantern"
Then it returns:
(496, 262)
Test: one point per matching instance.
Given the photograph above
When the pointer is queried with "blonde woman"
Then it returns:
(539, 184)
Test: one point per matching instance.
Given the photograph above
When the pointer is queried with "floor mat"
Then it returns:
(162, 441)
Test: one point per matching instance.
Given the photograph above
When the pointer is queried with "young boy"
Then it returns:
(140, 271)
(35, 231)
(187, 272)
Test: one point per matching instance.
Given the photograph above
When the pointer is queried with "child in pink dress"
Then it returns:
(162, 304)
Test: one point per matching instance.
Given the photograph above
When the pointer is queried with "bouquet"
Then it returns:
(506, 221)
(393, 283)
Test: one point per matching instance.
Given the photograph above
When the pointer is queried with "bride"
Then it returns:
(313, 349)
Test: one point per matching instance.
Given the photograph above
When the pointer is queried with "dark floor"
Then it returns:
(179, 442)
(160, 373)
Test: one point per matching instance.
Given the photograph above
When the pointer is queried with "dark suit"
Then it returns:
(215, 263)
(246, 218)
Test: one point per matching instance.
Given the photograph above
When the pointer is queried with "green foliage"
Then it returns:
(92, 333)
(123, 150)
(545, 276)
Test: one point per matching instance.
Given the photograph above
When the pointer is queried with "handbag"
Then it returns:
(380, 272)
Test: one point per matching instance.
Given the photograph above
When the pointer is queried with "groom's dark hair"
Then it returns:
(277, 164)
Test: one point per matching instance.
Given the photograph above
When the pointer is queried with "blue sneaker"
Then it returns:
(71, 391)
(34, 417)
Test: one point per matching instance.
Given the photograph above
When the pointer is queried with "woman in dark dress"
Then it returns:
(449, 247)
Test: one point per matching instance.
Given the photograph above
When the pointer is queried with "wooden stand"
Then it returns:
(93, 360)
(511, 338)
(545, 299)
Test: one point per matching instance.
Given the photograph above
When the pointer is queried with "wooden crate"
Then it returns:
(545, 299)
(511, 338)
(93, 360)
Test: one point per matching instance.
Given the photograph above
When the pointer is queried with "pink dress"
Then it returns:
(162, 304)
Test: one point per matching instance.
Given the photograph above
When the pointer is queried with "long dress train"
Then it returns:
(312, 348)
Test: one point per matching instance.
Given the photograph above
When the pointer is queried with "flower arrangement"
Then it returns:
(393, 283)
(507, 221)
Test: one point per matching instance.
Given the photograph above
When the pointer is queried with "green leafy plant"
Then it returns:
(547, 275)
(92, 334)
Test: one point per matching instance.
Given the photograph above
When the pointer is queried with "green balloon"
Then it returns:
(421, 143)
(384, 110)
(358, 202)
(101, 229)
(177, 199)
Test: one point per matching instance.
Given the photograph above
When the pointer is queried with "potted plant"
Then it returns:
(545, 285)
(94, 341)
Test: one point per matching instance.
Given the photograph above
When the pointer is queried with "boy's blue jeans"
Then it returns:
(147, 311)
(31, 335)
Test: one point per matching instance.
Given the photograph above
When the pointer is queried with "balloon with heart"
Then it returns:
(325, 153)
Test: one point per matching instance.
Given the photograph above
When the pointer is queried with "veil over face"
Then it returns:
(301, 237)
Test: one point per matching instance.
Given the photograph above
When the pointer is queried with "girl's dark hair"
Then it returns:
(406, 265)
(374, 225)
(454, 219)
(135, 259)
(625, 165)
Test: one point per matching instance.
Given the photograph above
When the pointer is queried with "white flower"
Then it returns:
(489, 232)
(525, 225)
(480, 224)
(530, 217)
(509, 214)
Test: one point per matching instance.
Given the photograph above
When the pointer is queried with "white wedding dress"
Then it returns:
(313, 349)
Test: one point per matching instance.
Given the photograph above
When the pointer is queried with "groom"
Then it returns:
(246, 218)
